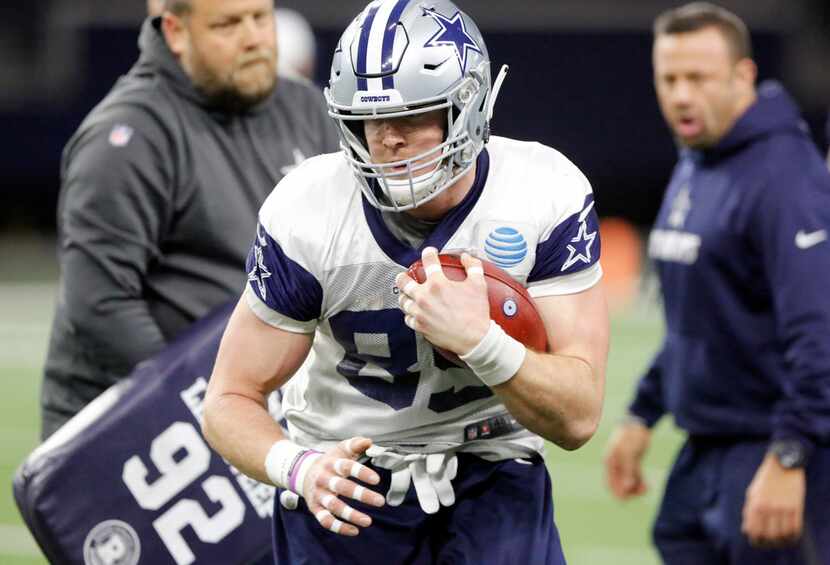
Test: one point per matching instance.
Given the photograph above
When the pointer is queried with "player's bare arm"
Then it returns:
(557, 394)
(255, 359)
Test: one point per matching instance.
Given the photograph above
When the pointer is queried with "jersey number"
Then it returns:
(380, 338)
(180, 455)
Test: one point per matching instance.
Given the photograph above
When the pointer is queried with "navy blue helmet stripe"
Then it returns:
(363, 47)
(389, 43)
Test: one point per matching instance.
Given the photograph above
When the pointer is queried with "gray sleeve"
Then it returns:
(114, 209)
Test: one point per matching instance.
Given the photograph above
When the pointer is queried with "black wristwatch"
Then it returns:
(790, 453)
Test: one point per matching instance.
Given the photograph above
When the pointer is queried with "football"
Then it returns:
(511, 306)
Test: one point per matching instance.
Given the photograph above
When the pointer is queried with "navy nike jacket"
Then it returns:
(742, 251)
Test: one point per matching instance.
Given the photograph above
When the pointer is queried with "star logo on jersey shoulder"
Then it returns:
(260, 272)
(453, 33)
(579, 249)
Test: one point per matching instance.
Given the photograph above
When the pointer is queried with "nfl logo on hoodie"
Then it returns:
(120, 135)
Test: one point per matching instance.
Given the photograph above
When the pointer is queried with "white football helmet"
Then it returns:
(405, 57)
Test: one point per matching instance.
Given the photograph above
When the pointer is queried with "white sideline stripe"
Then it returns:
(16, 540)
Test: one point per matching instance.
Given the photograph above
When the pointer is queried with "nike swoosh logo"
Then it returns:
(805, 240)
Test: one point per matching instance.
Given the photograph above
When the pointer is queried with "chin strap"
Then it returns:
(494, 94)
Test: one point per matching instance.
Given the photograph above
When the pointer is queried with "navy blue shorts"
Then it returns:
(699, 521)
(503, 515)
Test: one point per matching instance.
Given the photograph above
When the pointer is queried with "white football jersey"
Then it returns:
(324, 261)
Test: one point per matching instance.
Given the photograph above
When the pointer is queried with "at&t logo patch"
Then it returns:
(506, 247)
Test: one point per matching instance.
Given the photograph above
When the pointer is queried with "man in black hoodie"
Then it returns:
(161, 185)
(741, 247)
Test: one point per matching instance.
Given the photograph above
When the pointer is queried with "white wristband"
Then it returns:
(496, 358)
(287, 464)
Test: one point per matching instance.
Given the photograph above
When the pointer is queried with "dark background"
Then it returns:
(580, 81)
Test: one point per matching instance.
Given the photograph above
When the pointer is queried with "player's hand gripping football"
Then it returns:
(453, 315)
(329, 479)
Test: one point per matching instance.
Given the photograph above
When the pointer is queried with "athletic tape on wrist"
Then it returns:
(296, 477)
(281, 457)
(496, 358)
(287, 463)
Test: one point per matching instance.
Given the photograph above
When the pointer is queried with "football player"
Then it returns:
(429, 460)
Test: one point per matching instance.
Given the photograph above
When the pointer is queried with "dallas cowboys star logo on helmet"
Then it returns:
(453, 33)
